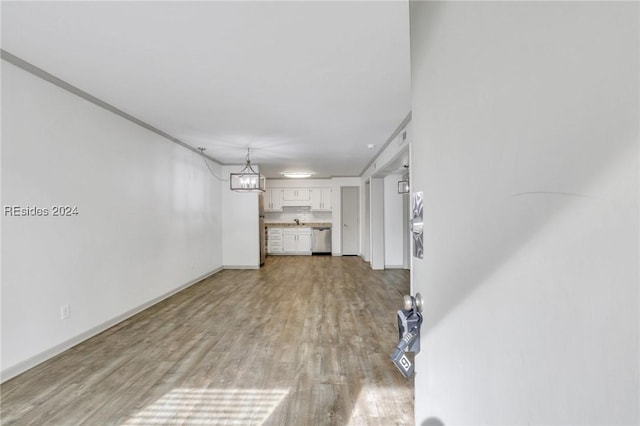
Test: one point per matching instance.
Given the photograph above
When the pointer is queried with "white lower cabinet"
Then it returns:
(274, 241)
(296, 240)
(304, 241)
(289, 240)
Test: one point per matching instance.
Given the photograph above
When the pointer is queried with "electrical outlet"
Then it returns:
(64, 312)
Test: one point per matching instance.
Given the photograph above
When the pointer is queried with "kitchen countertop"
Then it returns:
(302, 225)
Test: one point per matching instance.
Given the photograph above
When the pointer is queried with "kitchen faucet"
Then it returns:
(297, 221)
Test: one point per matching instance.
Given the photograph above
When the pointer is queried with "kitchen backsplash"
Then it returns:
(303, 213)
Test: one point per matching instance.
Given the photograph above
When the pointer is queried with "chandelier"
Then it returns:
(247, 179)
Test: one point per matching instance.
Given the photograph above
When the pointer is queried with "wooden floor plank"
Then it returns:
(305, 340)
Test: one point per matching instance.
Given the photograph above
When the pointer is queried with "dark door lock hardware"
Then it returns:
(409, 321)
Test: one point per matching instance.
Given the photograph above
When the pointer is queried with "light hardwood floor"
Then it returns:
(303, 341)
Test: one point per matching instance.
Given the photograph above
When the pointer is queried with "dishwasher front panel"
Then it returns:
(321, 240)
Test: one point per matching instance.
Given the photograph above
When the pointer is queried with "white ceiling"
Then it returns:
(306, 85)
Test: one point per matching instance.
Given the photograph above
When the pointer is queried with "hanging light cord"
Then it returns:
(206, 163)
(247, 161)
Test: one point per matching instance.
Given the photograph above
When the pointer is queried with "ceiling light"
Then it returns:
(297, 175)
(371, 146)
(247, 179)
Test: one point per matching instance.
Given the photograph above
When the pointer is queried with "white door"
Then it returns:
(350, 220)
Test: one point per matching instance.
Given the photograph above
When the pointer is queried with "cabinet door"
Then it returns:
(316, 198)
(273, 200)
(304, 194)
(289, 242)
(289, 194)
(266, 199)
(276, 199)
(321, 199)
(326, 198)
(304, 242)
(296, 194)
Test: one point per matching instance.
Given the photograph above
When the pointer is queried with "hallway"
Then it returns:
(304, 340)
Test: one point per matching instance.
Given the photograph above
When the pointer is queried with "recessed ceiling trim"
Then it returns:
(39, 72)
(402, 125)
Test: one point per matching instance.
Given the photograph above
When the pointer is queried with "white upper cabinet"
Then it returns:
(321, 199)
(296, 194)
(273, 200)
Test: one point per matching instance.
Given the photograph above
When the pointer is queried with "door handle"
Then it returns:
(409, 322)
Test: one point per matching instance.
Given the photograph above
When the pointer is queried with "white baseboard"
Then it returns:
(394, 267)
(43, 356)
(240, 267)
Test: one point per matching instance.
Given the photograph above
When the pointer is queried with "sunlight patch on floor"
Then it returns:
(371, 398)
(187, 406)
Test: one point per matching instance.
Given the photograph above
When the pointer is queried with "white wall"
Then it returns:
(376, 207)
(394, 230)
(149, 218)
(525, 118)
(240, 223)
(365, 214)
(395, 150)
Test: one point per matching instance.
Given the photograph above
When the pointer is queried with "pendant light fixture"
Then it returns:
(247, 179)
